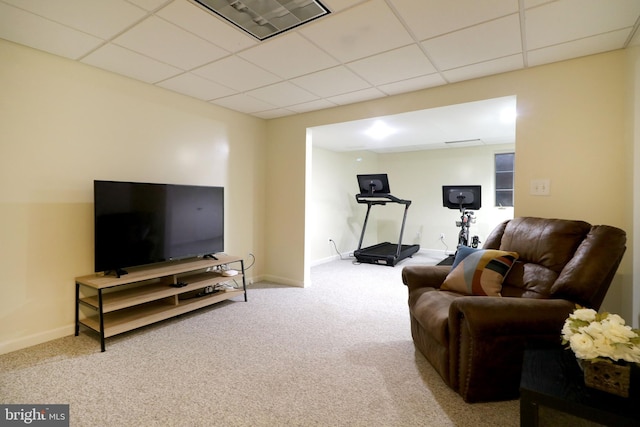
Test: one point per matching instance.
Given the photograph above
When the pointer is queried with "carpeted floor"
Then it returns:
(337, 353)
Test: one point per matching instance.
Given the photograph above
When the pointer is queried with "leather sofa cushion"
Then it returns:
(534, 280)
(589, 265)
(545, 246)
(550, 243)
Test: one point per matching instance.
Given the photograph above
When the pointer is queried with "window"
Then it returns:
(504, 179)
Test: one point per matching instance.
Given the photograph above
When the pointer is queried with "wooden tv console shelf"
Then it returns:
(153, 293)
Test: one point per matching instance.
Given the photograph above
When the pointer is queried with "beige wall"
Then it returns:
(633, 175)
(65, 124)
(570, 129)
(333, 212)
(284, 216)
(62, 126)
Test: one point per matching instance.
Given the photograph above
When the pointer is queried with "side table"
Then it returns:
(552, 378)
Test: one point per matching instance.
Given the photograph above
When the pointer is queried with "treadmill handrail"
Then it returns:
(380, 199)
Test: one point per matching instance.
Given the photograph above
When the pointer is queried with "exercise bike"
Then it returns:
(466, 219)
(464, 198)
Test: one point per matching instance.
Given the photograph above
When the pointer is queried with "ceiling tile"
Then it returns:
(338, 5)
(288, 56)
(149, 4)
(236, 73)
(282, 94)
(357, 96)
(399, 64)
(411, 85)
(481, 43)
(128, 63)
(331, 82)
(495, 66)
(430, 18)
(168, 43)
(196, 86)
(319, 104)
(577, 48)
(356, 32)
(533, 3)
(243, 103)
(18, 26)
(273, 114)
(100, 18)
(203, 23)
(568, 20)
(635, 41)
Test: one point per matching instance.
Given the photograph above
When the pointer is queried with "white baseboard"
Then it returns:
(35, 339)
(344, 255)
(436, 252)
(282, 281)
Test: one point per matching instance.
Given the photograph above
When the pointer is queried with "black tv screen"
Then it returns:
(143, 223)
(462, 196)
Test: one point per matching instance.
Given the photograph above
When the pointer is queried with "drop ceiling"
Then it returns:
(362, 50)
(486, 122)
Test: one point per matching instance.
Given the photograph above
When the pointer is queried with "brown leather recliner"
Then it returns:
(476, 343)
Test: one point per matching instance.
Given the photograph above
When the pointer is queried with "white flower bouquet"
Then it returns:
(596, 336)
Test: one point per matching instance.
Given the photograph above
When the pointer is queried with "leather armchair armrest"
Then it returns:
(508, 316)
(424, 276)
(488, 336)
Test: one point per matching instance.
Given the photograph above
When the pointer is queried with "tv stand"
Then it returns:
(114, 305)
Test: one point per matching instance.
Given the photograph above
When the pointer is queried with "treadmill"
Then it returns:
(374, 190)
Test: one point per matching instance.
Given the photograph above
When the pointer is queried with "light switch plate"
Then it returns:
(540, 187)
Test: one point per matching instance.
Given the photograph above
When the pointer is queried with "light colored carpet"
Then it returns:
(338, 353)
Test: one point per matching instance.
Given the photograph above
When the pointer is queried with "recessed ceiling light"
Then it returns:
(379, 130)
(508, 115)
(266, 18)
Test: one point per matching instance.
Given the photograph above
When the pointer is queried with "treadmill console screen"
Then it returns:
(374, 184)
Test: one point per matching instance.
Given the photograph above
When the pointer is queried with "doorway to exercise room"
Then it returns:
(420, 151)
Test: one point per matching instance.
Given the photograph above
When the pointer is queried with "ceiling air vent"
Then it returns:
(266, 18)
(464, 141)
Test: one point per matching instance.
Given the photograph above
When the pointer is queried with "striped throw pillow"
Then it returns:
(479, 271)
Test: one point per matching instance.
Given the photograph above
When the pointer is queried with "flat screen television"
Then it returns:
(371, 184)
(143, 223)
(467, 197)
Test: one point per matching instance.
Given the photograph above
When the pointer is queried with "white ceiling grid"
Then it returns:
(363, 50)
